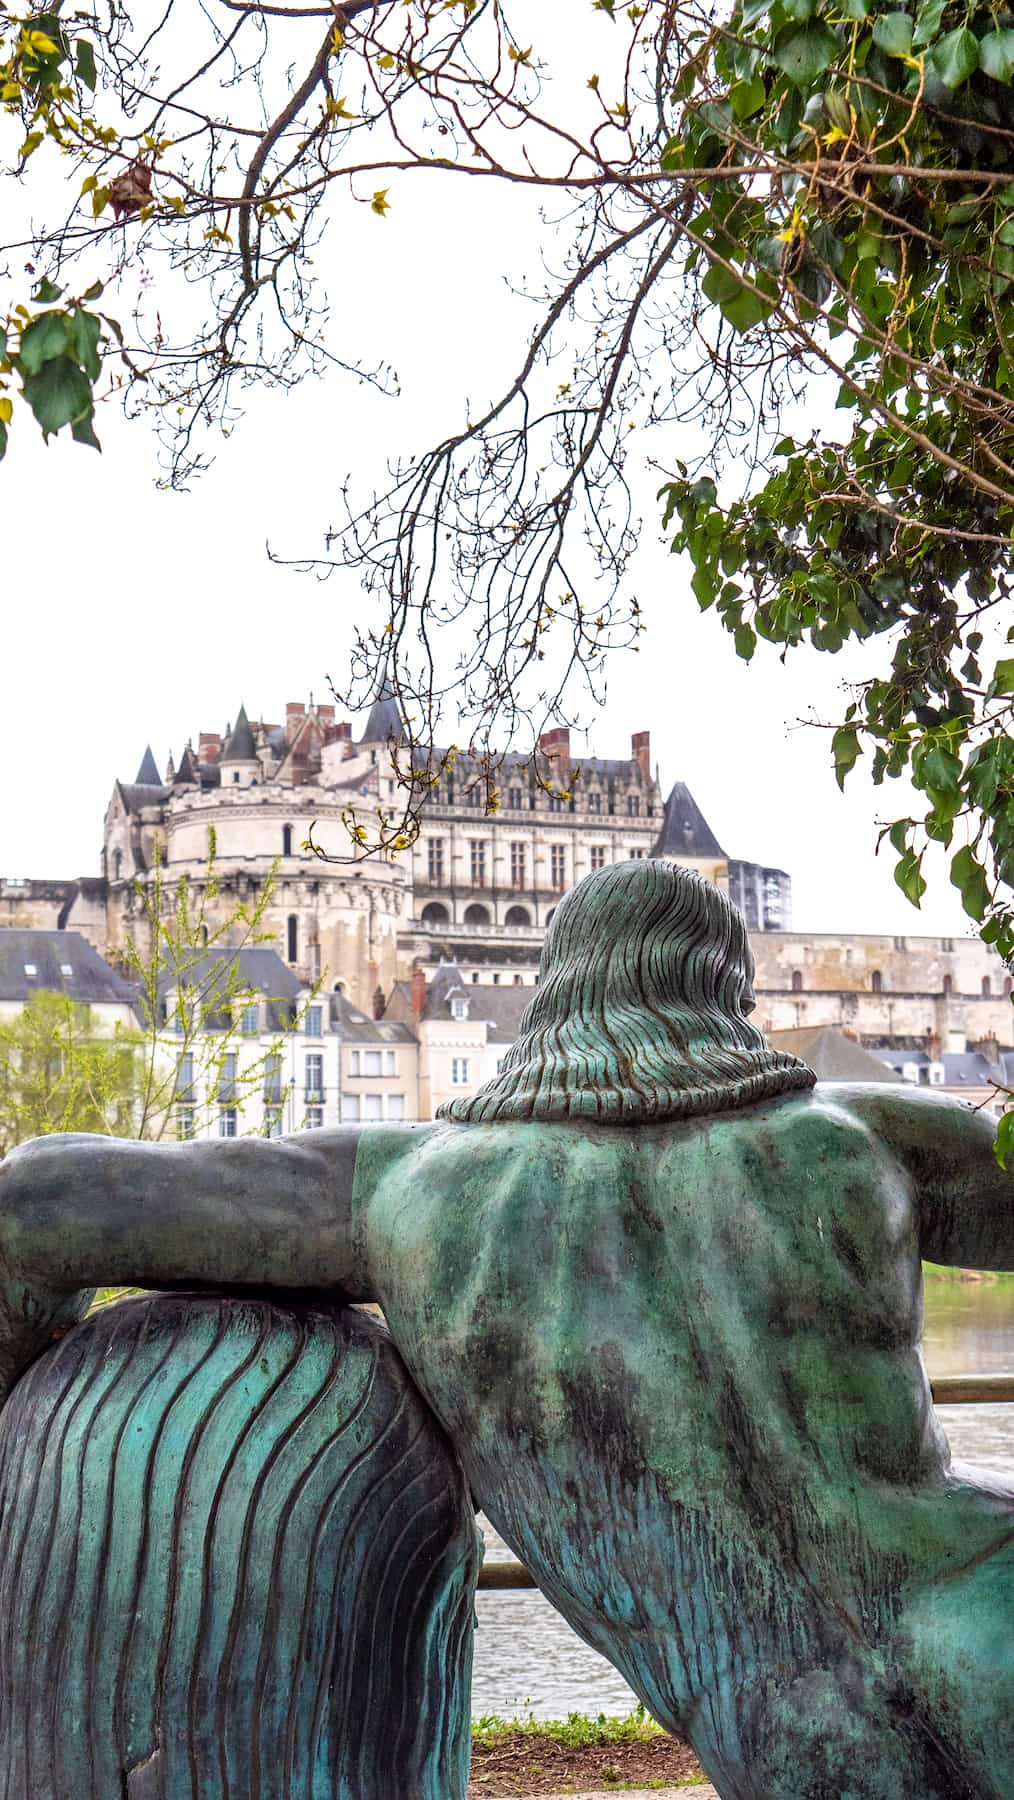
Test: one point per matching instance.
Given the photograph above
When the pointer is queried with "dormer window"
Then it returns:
(30, 969)
(459, 1008)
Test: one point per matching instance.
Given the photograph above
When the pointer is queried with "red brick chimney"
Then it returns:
(418, 991)
(338, 734)
(556, 744)
(326, 713)
(209, 746)
(295, 713)
(640, 752)
(379, 1003)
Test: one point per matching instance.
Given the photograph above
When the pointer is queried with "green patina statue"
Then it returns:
(663, 1296)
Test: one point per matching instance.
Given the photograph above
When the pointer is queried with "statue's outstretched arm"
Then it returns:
(965, 1201)
(78, 1212)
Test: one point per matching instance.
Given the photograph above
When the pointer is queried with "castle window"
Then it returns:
(636, 855)
(515, 798)
(558, 865)
(594, 802)
(519, 981)
(518, 865)
(475, 975)
(877, 982)
(517, 915)
(598, 856)
(286, 840)
(476, 914)
(292, 936)
(496, 978)
(477, 849)
(797, 981)
(435, 914)
(555, 803)
(633, 806)
(948, 984)
(435, 859)
(117, 864)
(987, 987)
(459, 1008)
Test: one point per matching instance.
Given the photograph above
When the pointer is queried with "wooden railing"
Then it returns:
(948, 1390)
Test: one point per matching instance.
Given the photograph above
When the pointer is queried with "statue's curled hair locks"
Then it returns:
(641, 1013)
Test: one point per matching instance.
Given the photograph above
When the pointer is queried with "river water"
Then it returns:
(527, 1660)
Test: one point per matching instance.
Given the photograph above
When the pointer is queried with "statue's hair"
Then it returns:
(641, 1010)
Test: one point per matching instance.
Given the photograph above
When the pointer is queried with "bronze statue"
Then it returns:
(664, 1297)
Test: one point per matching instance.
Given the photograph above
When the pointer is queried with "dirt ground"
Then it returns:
(533, 1765)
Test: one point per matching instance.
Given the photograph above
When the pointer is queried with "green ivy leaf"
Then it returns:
(927, 22)
(846, 752)
(892, 33)
(955, 57)
(83, 432)
(1003, 677)
(996, 55)
(46, 292)
(804, 51)
(1004, 1139)
(85, 63)
(42, 340)
(908, 874)
(59, 394)
(969, 877)
(86, 330)
(746, 641)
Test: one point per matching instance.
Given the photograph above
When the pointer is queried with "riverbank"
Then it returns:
(578, 1756)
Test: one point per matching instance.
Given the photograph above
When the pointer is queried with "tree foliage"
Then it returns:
(59, 1072)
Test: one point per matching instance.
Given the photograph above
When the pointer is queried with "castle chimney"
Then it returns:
(556, 744)
(209, 746)
(418, 992)
(295, 713)
(640, 752)
(379, 1003)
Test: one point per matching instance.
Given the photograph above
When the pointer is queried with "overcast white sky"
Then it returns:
(134, 615)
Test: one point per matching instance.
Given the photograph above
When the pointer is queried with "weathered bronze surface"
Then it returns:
(664, 1297)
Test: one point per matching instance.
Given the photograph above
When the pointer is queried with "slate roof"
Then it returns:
(137, 795)
(240, 746)
(64, 963)
(252, 968)
(148, 775)
(831, 1055)
(187, 771)
(356, 1027)
(384, 720)
(685, 831)
(500, 1008)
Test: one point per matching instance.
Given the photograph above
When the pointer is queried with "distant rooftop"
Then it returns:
(60, 962)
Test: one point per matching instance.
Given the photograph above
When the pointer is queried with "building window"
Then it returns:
(314, 1118)
(435, 913)
(517, 915)
(185, 1078)
(184, 1122)
(227, 1122)
(901, 943)
(987, 988)
(373, 1106)
(371, 1062)
(315, 1076)
(598, 856)
(558, 865)
(518, 863)
(515, 798)
(636, 855)
(459, 1071)
(877, 982)
(250, 1020)
(555, 803)
(595, 802)
(948, 984)
(286, 840)
(273, 1077)
(435, 860)
(633, 806)
(519, 981)
(478, 854)
(475, 975)
(354, 1062)
(314, 1021)
(477, 915)
(350, 1109)
(292, 936)
(459, 1008)
(390, 1062)
(272, 1120)
(227, 1081)
(797, 981)
(396, 1106)
(947, 943)
(496, 978)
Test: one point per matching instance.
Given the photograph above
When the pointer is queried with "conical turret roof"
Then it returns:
(385, 720)
(240, 746)
(148, 775)
(186, 773)
(685, 831)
